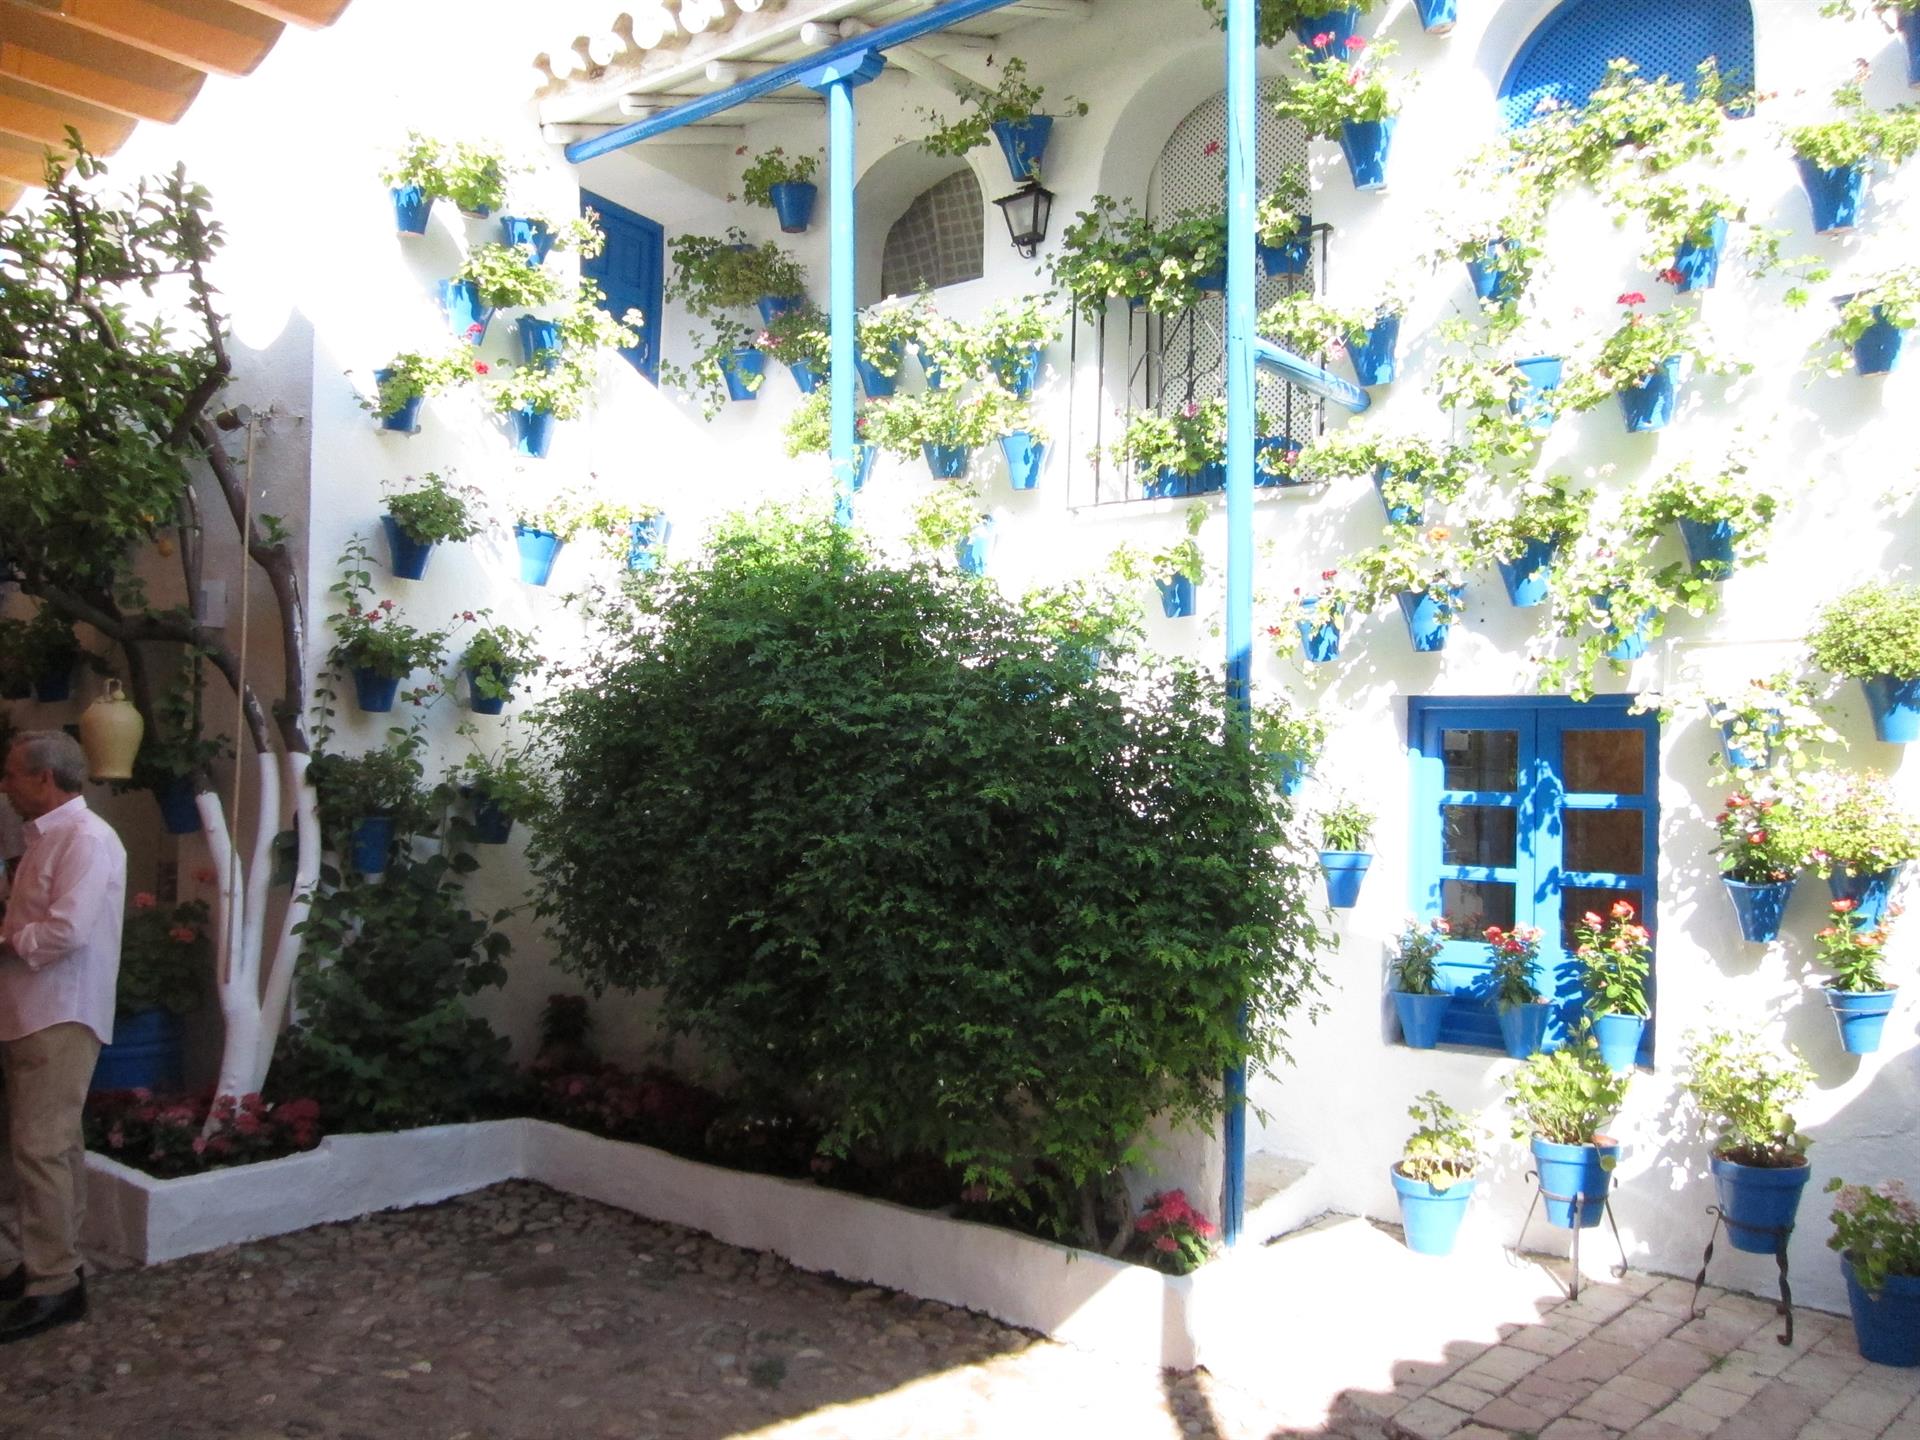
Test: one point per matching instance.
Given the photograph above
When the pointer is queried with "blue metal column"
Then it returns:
(837, 80)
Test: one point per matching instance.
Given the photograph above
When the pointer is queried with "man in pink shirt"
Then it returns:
(59, 961)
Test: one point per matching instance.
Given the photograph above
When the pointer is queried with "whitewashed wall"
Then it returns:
(292, 154)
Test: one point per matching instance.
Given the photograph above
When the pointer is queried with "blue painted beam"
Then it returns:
(900, 32)
(1311, 378)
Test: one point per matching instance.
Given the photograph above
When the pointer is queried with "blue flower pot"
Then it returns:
(1366, 144)
(1523, 1028)
(410, 556)
(1291, 256)
(1429, 620)
(1710, 546)
(647, 541)
(1420, 1017)
(742, 368)
(538, 550)
(1319, 641)
(491, 824)
(1909, 23)
(863, 457)
(1870, 890)
(533, 432)
(1491, 282)
(1396, 514)
(1581, 1175)
(1758, 1202)
(976, 550)
(1430, 1217)
(1210, 480)
(1271, 465)
(1176, 596)
(412, 207)
(1373, 354)
(928, 367)
(772, 307)
(179, 808)
(374, 692)
(405, 420)
(793, 202)
(804, 376)
(1024, 455)
(1739, 757)
(520, 230)
(1542, 374)
(1886, 1323)
(877, 386)
(1834, 194)
(1167, 484)
(1527, 579)
(1020, 373)
(1344, 870)
(55, 686)
(1894, 703)
(1698, 265)
(1879, 347)
(1647, 403)
(1619, 1037)
(1437, 17)
(1759, 908)
(1339, 25)
(370, 844)
(145, 1054)
(1289, 772)
(466, 316)
(1861, 1014)
(538, 335)
(1214, 282)
(1023, 142)
(947, 462)
(486, 704)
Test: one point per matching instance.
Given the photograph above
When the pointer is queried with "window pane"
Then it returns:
(1477, 835)
(1470, 906)
(1604, 762)
(1609, 841)
(1481, 759)
(1576, 900)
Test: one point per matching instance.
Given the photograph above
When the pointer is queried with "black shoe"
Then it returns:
(31, 1314)
(13, 1284)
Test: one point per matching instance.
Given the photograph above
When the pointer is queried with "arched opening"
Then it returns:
(938, 240)
(1566, 57)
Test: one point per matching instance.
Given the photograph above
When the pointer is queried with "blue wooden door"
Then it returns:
(628, 271)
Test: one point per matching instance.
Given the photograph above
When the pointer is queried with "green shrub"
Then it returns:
(910, 865)
(1873, 629)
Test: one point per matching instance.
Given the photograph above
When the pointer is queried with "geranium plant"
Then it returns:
(1515, 953)
(1605, 598)
(1008, 334)
(1330, 601)
(1107, 254)
(1774, 716)
(470, 174)
(1732, 495)
(1853, 953)
(1745, 1091)
(1340, 89)
(1871, 630)
(1763, 834)
(1537, 511)
(1857, 825)
(370, 634)
(1284, 210)
(431, 508)
(1615, 955)
(1011, 99)
(1307, 325)
(798, 336)
(1288, 733)
(1411, 470)
(1413, 560)
(902, 424)
(1566, 1096)
(1639, 346)
(411, 376)
(1279, 17)
(809, 429)
(506, 777)
(944, 517)
(1172, 1235)
(1858, 135)
(498, 655)
(503, 280)
(1877, 1229)
(166, 955)
(884, 333)
(1891, 299)
(712, 275)
(1183, 557)
(167, 1134)
(773, 167)
(386, 780)
(1414, 971)
(1444, 1149)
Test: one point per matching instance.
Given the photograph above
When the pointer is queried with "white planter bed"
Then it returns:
(1088, 1300)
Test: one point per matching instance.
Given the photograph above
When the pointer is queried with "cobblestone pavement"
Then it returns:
(517, 1313)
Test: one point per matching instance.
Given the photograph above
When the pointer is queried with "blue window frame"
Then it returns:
(1565, 59)
(1529, 812)
(629, 271)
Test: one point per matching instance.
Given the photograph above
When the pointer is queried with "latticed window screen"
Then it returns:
(938, 241)
(1566, 58)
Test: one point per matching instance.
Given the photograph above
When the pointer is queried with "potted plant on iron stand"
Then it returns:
(1433, 1179)
(1419, 1002)
(1562, 1101)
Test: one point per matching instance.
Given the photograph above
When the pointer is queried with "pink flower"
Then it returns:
(1632, 297)
(480, 367)
(1211, 148)
(1671, 276)
(144, 901)
(1356, 43)
(476, 329)
(1165, 1244)
(183, 934)
(1323, 40)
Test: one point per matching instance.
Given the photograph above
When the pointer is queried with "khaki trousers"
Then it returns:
(47, 1076)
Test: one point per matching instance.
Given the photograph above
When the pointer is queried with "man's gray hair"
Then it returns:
(55, 751)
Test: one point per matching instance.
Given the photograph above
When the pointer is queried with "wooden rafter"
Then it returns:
(40, 116)
(313, 14)
(52, 55)
(212, 36)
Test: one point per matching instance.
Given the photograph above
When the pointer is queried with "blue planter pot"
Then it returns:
(1759, 908)
(1366, 144)
(1273, 458)
(1437, 17)
(1289, 773)
(486, 704)
(743, 368)
(1320, 641)
(1527, 579)
(1861, 1015)
(1176, 596)
(179, 812)
(1870, 890)
(1430, 1217)
(520, 230)
(409, 556)
(1024, 456)
(1542, 374)
(1523, 1028)
(1581, 1175)
(793, 202)
(538, 550)
(1834, 194)
(1420, 1017)
(1758, 1203)
(772, 307)
(1739, 757)
(1291, 256)
(1428, 620)
(145, 1053)
(647, 542)
(1698, 265)
(1167, 484)
(1491, 282)
(804, 376)
(412, 208)
(373, 692)
(1886, 1323)
(491, 824)
(1021, 373)
(1344, 870)
(537, 335)
(1894, 704)
(55, 686)
(1375, 356)
(1214, 282)
(1909, 23)
(1880, 345)
(1619, 1037)
(370, 844)
(1211, 479)
(1339, 25)
(877, 386)
(533, 432)
(973, 553)
(1396, 514)
(1024, 143)
(466, 316)
(1647, 403)
(930, 369)
(1710, 546)
(947, 462)
(863, 457)
(405, 420)
(1629, 642)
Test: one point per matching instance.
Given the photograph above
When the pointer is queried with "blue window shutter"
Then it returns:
(1565, 59)
(628, 271)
